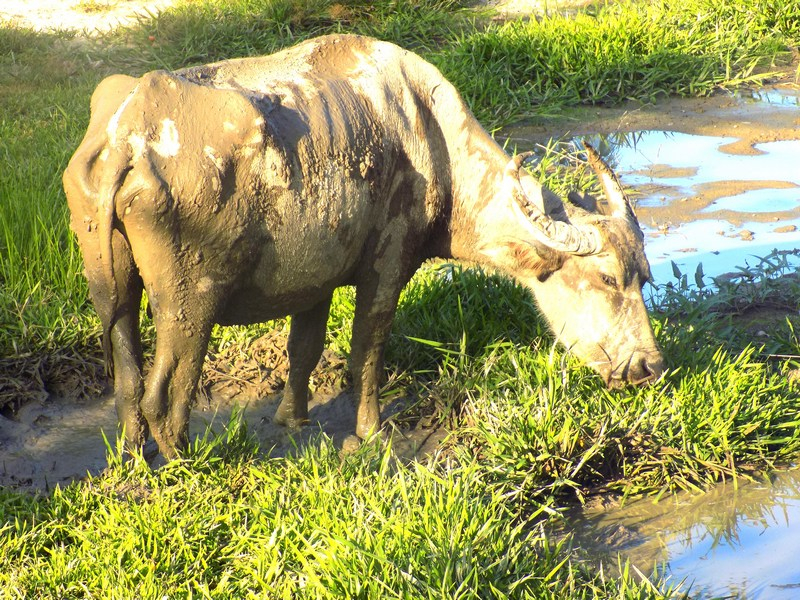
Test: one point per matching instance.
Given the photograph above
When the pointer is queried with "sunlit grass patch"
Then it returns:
(42, 287)
(191, 33)
(546, 427)
(566, 436)
(623, 51)
(313, 526)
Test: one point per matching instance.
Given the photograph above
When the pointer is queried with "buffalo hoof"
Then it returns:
(288, 420)
(350, 445)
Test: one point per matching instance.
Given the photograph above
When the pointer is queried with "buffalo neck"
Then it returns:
(480, 211)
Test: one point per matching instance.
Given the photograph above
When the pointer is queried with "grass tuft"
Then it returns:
(312, 526)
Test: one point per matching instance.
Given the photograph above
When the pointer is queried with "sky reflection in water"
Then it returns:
(666, 167)
(730, 542)
(689, 151)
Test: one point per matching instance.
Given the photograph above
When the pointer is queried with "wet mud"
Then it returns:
(61, 434)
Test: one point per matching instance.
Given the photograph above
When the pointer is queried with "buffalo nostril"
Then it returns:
(651, 368)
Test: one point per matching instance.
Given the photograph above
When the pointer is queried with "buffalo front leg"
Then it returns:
(372, 323)
(181, 344)
(306, 341)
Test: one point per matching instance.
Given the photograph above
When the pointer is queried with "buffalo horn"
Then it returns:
(615, 195)
(558, 235)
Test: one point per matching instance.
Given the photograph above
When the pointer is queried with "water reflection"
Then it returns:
(734, 541)
(687, 162)
(771, 96)
(758, 201)
(699, 203)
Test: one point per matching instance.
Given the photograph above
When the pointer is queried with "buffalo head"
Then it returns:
(588, 274)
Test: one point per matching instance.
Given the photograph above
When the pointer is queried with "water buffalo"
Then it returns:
(250, 189)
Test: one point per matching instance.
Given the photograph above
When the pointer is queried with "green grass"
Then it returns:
(224, 523)
(534, 431)
(200, 32)
(548, 428)
(640, 51)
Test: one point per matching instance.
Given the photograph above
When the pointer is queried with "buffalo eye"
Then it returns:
(609, 280)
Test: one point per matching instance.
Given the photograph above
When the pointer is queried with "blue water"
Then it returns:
(704, 155)
(758, 201)
(735, 541)
(772, 97)
(666, 167)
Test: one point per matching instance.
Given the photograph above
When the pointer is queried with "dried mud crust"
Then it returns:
(256, 370)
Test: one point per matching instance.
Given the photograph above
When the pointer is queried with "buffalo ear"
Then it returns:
(513, 255)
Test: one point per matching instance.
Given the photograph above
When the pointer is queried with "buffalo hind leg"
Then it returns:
(117, 303)
(128, 381)
(181, 345)
(306, 341)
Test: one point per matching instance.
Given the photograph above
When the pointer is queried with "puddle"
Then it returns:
(731, 542)
(700, 203)
(772, 96)
(718, 200)
(761, 200)
(686, 161)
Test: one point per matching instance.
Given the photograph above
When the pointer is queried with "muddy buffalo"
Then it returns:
(250, 189)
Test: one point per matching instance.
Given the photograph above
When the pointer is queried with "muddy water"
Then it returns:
(735, 541)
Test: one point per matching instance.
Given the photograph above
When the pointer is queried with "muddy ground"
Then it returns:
(54, 410)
